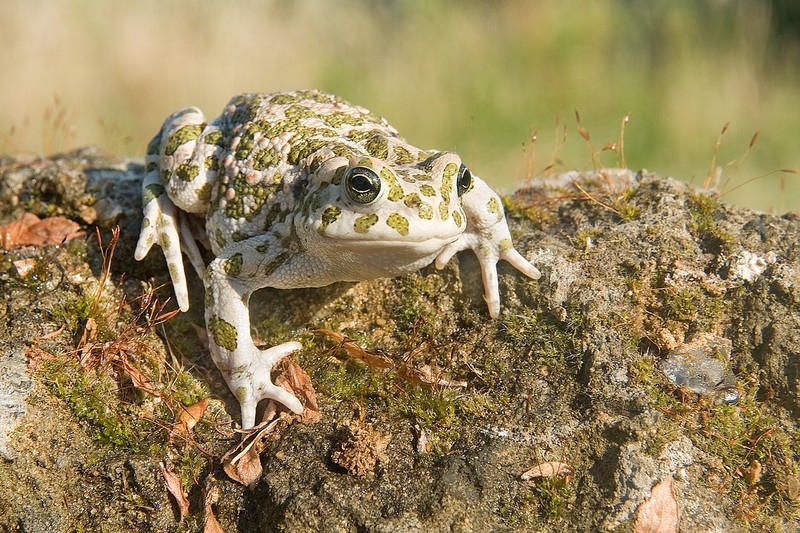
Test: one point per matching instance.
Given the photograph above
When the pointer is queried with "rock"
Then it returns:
(642, 275)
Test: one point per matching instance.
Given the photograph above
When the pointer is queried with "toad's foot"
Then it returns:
(252, 382)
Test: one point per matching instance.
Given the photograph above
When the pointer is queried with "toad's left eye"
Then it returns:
(464, 180)
(362, 185)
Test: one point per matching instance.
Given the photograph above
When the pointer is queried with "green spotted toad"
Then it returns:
(301, 189)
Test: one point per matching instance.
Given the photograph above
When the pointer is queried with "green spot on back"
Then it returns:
(151, 192)
(283, 99)
(183, 135)
(377, 147)
(187, 171)
(204, 193)
(447, 180)
(402, 156)
(275, 263)
(214, 137)
(154, 145)
(266, 157)
(412, 200)
(425, 211)
(233, 265)
(427, 190)
(444, 211)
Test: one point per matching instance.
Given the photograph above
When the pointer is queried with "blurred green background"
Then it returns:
(477, 77)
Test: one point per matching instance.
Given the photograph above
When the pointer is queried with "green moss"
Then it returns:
(187, 389)
(692, 304)
(550, 343)
(518, 209)
(74, 313)
(429, 408)
(705, 227)
(190, 465)
(353, 381)
(93, 397)
(625, 207)
(272, 330)
(554, 496)
(415, 313)
(585, 237)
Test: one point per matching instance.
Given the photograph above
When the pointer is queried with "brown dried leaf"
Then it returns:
(52, 334)
(89, 335)
(24, 266)
(549, 469)
(425, 375)
(355, 351)
(246, 467)
(658, 513)
(174, 487)
(297, 381)
(35, 357)
(242, 463)
(190, 416)
(30, 230)
(139, 379)
(210, 522)
(421, 443)
(11, 233)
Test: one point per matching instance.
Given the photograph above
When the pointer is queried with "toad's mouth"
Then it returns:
(364, 241)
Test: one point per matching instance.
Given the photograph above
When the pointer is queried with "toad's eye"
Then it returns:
(464, 180)
(362, 185)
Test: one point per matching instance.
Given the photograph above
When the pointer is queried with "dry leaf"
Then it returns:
(425, 375)
(242, 463)
(421, 443)
(296, 380)
(174, 487)
(549, 469)
(52, 334)
(89, 335)
(24, 266)
(190, 416)
(210, 522)
(658, 513)
(35, 357)
(11, 234)
(32, 231)
(138, 378)
(355, 351)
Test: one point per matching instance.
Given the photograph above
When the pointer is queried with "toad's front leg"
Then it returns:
(230, 280)
(487, 235)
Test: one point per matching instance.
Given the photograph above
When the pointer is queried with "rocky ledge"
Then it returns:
(649, 378)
